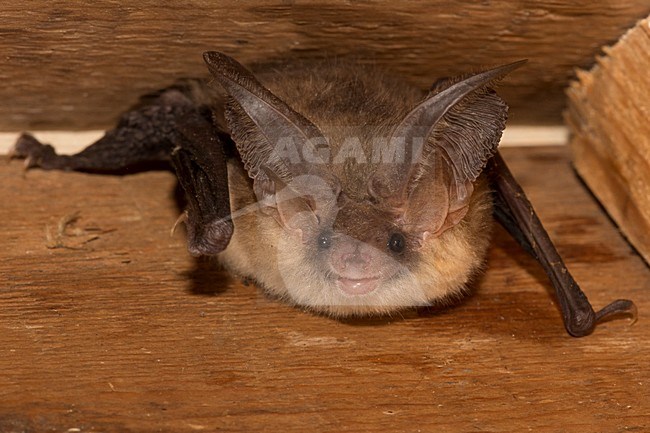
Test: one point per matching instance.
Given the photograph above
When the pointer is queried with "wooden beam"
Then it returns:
(110, 326)
(77, 65)
(69, 142)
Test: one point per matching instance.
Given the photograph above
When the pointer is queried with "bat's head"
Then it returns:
(417, 231)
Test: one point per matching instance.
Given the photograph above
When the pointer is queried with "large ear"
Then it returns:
(276, 143)
(458, 128)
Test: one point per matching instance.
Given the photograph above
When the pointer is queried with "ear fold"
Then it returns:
(460, 127)
(466, 138)
(469, 133)
(273, 139)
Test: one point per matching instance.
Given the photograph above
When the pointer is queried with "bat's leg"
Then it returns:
(200, 163)
(516, 214)
(142, 136)
(169, 129)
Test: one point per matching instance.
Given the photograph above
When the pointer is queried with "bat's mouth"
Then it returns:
(357, 287)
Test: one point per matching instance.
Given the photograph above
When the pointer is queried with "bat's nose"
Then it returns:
(356, 261)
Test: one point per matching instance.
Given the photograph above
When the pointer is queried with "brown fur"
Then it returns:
(345, 101)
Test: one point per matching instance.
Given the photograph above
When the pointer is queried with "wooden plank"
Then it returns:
(609, 118)
(119, 330)
(77, 65)
(69, 142)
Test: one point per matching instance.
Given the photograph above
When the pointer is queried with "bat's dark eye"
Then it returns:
(397, 242)
(324, 240)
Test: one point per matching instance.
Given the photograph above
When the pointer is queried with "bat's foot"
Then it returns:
(582, 321)
(209, 239)
(620, 307)
(35, 153)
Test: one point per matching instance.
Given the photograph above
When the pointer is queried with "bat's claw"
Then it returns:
(31, 150)
(182, 219)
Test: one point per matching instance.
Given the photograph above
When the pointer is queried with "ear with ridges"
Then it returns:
(460, 125)
(271, 137)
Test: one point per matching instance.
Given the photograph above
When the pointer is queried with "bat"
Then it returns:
(334, 186)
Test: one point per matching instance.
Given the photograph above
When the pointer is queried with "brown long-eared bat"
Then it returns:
(336, 186)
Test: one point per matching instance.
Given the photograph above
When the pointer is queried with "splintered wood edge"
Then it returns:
(607, 116)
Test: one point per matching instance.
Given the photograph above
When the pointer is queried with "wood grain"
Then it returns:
(77, 65)
(118, 330)
(609, 118)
